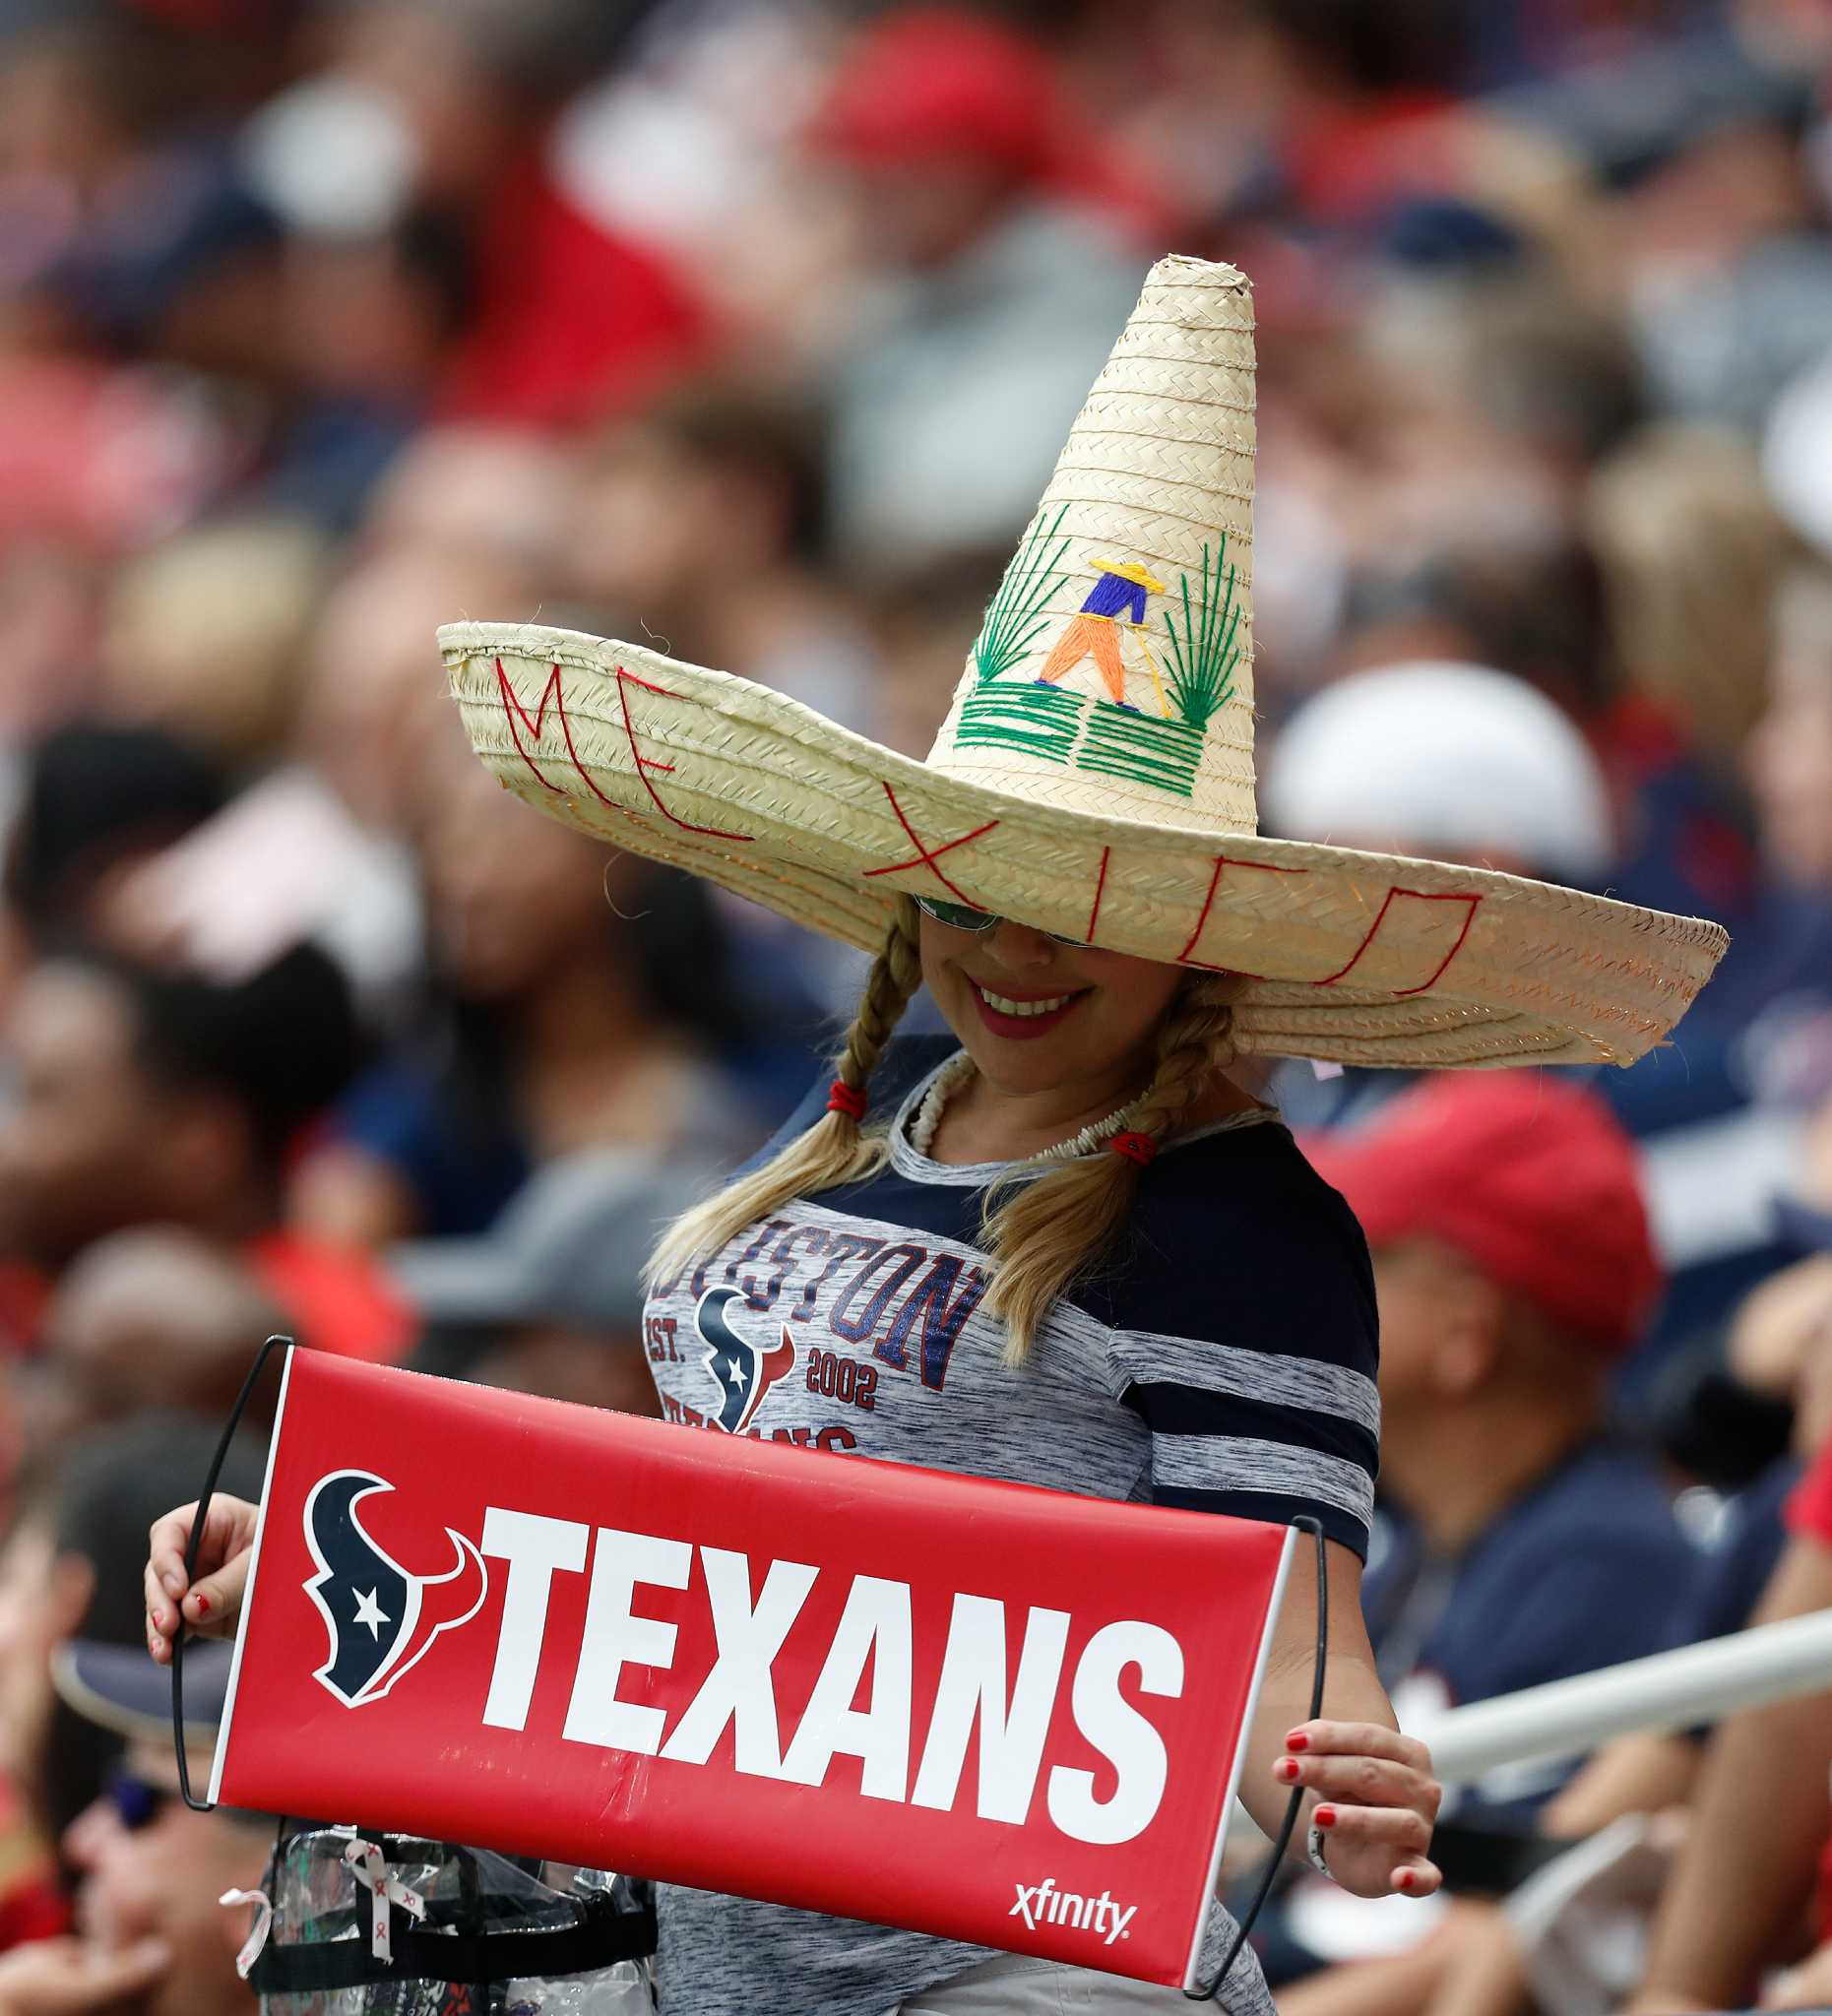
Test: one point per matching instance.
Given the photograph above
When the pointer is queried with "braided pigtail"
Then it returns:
(1053, 1229)
(835, 1149)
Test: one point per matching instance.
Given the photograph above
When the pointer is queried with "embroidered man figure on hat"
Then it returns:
(1094, 632)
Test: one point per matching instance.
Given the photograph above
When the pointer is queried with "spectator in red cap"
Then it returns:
(1516, 1543)
(1531, 1182)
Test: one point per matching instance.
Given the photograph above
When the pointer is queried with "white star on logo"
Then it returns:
(740, 1378)
(369, 1611)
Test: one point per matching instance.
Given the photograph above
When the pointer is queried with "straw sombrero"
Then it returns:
(1094, 775)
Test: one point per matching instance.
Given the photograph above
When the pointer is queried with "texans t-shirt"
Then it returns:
(1222, 1359)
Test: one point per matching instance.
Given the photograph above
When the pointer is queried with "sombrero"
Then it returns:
(1122, 819)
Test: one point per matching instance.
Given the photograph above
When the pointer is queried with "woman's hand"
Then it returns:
(211, 1604)
(1377, 1804)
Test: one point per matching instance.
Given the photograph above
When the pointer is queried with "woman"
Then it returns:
(1071, 1251)
(1125, 1054)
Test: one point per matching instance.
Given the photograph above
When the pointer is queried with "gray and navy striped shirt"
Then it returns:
(1223, 1360)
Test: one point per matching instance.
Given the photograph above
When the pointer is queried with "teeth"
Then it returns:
(1006, 1007)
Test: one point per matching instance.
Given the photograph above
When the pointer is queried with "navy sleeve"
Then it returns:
(1253, 1353)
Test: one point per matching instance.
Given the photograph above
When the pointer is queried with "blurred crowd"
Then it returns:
(754, 329)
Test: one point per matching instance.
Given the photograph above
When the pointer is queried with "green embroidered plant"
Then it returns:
(1142, 748)
(1040, 721)
(1013, 619)
(1203, 656)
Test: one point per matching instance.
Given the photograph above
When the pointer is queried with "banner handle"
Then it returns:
(1294, 1804)
(229, 1426)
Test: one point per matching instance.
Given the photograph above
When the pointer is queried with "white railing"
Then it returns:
(1671, 1690)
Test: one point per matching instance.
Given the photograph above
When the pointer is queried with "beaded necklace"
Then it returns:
(955, 1073)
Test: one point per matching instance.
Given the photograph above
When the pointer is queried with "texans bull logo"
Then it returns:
(382, 1618)
(745, 1374)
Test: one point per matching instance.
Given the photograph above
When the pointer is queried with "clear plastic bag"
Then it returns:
(318, 1901)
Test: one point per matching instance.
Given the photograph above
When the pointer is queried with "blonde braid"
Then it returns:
(835, 1149)
(896, 974)
(1058, 1226)
(1194, 1043)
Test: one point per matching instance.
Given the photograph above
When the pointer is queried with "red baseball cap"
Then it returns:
(1528, 1177)
(935, 83)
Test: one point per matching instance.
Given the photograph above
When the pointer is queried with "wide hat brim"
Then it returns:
(1345, 956)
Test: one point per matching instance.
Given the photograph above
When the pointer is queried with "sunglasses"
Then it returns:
(137, 1803)
(961, 916)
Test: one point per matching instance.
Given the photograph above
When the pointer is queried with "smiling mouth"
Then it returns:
(1016, 1015)
(1008, 1004)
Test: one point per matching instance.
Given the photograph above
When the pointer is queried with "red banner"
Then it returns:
(1002, 1714)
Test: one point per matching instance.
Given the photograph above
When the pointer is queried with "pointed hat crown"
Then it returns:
(1113, 672)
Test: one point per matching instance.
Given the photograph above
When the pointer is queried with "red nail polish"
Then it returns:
(1297, 1740)
(203, 1606)
(1325, 1817)
(1406, 1879)
(1287, 1769)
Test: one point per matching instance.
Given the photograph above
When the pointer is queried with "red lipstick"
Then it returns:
(1021, 1028)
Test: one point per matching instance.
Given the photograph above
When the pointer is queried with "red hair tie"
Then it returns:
(1139, 1147)
(842, 1098)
